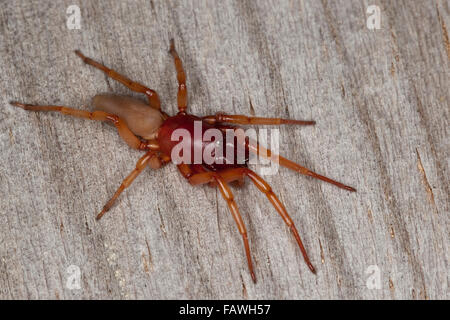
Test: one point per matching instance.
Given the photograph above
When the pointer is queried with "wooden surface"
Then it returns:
(380, 99)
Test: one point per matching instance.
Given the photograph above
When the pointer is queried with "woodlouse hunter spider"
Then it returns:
(147, 128)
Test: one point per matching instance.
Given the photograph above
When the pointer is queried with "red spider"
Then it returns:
(147, 128)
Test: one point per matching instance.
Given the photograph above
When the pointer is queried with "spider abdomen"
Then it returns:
(142, 119)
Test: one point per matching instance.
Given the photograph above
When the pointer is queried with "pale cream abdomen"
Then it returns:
(142, 119)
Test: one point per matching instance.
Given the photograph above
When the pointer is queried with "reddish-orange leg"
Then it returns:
(257, 149)
(181, 77)
(241, 119)
(142, 163)
(130, 138)
(208, 177)
(267, 153)
(230, 175)
(152, 96)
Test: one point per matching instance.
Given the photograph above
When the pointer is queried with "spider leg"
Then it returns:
(124, 132)
(241, 119)
(152, 96)
(267, 153)
(140, 166)
(207, 177)
(263, 186)
(181, 77)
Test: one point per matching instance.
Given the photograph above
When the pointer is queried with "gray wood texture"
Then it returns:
(380, 99)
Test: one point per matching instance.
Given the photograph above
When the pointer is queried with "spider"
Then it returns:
(147, 128)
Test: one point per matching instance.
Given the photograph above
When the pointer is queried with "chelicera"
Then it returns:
(147, 128)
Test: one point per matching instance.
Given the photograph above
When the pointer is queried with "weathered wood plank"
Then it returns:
(380, 99)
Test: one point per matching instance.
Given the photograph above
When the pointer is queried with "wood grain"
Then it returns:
(380, 99)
